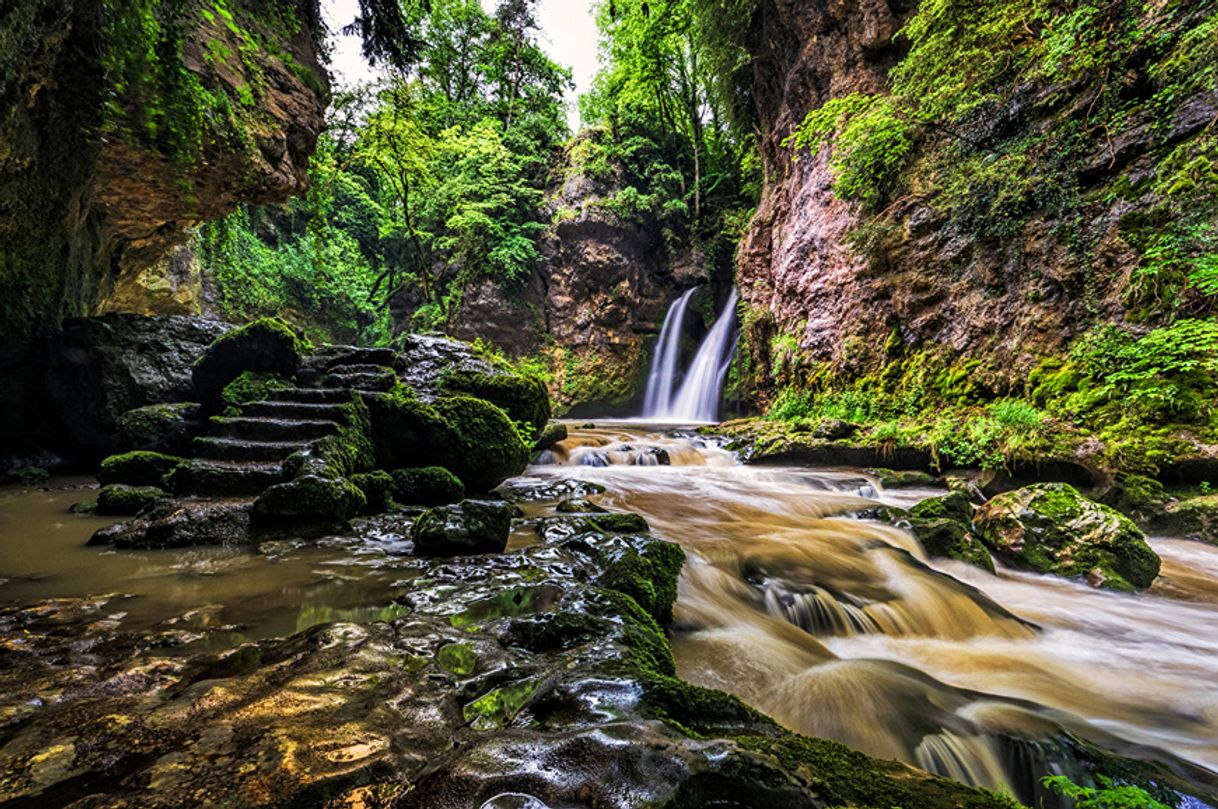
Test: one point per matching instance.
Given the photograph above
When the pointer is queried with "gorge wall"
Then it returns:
(124, 126)
(596, 299)
(1060, 243)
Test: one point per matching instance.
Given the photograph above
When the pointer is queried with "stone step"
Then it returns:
(294, 410)
(374, 379)
(237, 449)
(268, 429)
(313, 395)
(211, 478)
(351, 355)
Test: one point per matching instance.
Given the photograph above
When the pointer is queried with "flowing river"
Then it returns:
(836, 626)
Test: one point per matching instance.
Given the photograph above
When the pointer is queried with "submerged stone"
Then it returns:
(1051, 528)
(469, 527)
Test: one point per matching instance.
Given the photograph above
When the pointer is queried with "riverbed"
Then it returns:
(836, 626)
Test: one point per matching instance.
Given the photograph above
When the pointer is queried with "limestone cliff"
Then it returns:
(598, 296)
(125, 124)
(848, 292)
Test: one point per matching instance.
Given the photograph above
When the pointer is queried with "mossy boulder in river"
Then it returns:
(119, 500)
(139, 468)
(267, 346)
(523, 398)
(1051, 528)
(472, 438)
(467, 528)
(426, 486)
(1194, 518)
(943, 526)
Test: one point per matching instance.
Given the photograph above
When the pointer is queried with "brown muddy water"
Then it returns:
(835, 626)
(843, 628)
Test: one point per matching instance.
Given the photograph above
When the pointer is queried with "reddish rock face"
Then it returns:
(925, 284)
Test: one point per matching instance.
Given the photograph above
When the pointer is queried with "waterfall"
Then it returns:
(698, 397)
(664, 366)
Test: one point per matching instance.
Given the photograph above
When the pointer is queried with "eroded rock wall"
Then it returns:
(924, 282)
(595, 303)
(100, 180)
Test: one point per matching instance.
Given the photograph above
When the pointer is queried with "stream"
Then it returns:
(833, 625)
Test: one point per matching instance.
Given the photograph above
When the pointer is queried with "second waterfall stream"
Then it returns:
(696, 398)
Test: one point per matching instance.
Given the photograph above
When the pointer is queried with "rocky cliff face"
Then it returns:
(597, 299)
(855, 292)
(124, 127)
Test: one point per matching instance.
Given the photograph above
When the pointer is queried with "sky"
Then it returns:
(568, 34)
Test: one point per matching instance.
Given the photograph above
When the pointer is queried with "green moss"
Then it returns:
(1051, 528)
(952, 506)
(267, 346)
(498, 707)
(427, 486)
(311, 497)
(647, 572)
(119, 500)
(139, 468)
(524, 399)
(1195, 517)
(377, 488)
(457, 658)
(164, 428)
(249, 387)
(949, 538)
(479, 445)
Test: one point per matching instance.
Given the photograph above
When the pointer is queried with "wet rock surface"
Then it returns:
(1051, 528)
(531, 676)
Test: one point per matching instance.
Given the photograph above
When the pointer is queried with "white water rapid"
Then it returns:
(697, 399)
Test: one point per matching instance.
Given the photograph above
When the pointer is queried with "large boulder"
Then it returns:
(465, 529)
(1051, 528)
(167, 428)
(472, 438)
(100, 368)
(267, 346)
(524, 399)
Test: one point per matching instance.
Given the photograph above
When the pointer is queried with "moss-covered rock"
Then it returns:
(267, 346)
(167, 428)
(951, 506)
(1194, 518)
(310, 497)
(524, 399)
(903, 478)
(1139, 497)
(1051, 528)
(468, 528)
(551, 434)
(427, 486)
(479, 445)
(119, 500)
(949, 538)
(377, 488)
(249, 386)
(139, 468)
(578, 505)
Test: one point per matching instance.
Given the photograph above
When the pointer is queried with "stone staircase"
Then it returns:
(242, 456)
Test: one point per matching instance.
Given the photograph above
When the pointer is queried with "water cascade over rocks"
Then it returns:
(697, 399)
(843, 627)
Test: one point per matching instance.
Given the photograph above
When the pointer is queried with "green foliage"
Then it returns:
(1166, 374)
(1108, 795)
(871, 140)
(426, 182)
(249, 387)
